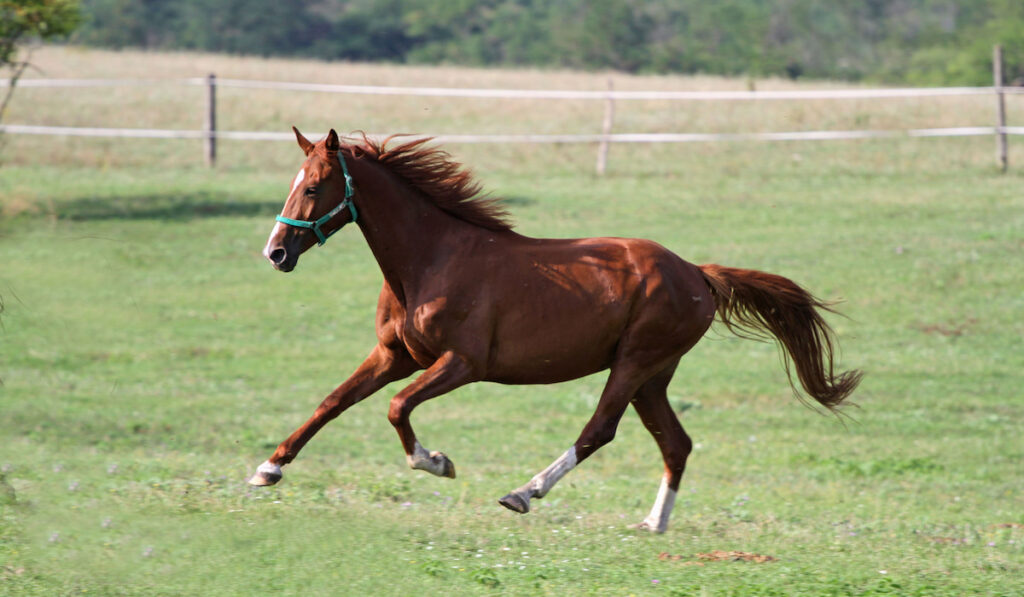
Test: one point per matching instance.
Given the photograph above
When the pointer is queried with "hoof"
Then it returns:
(435, 463)
(647, 527)
(447, 466)
(266, 474)
(516, 503)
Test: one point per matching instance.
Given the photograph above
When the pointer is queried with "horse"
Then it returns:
(465, 299)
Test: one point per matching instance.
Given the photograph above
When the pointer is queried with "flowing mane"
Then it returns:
(445, 182)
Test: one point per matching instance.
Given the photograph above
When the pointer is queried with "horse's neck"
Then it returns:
(406, 232)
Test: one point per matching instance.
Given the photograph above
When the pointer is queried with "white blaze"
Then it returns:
(299, 178)
(273, 233)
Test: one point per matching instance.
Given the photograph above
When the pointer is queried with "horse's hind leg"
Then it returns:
(651, 403)
(622, 384)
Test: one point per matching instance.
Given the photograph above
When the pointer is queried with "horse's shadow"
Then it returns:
(166, 207)
(516, 201)
(177, 207)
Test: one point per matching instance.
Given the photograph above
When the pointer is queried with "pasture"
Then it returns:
(151, 358)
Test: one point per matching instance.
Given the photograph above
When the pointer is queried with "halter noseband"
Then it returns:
(315, 225)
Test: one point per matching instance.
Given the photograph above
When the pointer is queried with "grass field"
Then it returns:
(151, 358)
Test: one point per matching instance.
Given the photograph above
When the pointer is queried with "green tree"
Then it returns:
(24, 19)
(366, 30)
(907, 41)
(260, 27)
(131, 23)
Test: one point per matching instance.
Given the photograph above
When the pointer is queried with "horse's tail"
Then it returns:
(751, 303)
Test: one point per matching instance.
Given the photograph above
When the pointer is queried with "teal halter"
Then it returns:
(316, 224)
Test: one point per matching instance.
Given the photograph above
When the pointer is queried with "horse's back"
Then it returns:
(565, 306)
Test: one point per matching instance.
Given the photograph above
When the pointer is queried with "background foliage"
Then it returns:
(915, 41)
(21, 19)
(41, 18)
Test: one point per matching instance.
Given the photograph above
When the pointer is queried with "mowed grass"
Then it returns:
(151, 359)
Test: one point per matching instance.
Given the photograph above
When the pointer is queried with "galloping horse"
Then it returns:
(467, 299)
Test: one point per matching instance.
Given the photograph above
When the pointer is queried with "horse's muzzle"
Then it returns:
(280, 258)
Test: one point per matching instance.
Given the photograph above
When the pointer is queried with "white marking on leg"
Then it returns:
(267, 473)
(657, 520)
(268, 468)
(434, 463)
(419, 459)
(543, 481)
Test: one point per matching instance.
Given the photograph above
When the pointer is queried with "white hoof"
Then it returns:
(267, 473)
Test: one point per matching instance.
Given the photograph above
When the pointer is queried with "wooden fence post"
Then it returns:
(606, 130)
(997, 81)
(210, 140)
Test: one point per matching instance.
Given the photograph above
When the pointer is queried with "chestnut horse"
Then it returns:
(467, 299)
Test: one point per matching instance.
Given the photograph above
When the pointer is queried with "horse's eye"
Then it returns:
(310, 191)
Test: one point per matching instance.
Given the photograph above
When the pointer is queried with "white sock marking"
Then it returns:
(419, 454)
(542, 483)
(269, 468)
(421, 459)
(658, 518)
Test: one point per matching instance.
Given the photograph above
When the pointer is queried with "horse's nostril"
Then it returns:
(277, 256)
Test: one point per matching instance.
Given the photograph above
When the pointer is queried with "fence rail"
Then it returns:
(505, 93)
(967, 131)
(210, 135)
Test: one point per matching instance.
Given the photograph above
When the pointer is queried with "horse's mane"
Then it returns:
(431, 170)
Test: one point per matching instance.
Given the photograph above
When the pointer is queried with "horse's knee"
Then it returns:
(397, 412)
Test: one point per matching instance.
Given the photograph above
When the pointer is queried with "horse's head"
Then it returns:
(318, 205)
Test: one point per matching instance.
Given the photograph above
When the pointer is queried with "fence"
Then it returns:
(210, 134)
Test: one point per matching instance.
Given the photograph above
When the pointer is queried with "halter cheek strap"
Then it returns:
(315, 225)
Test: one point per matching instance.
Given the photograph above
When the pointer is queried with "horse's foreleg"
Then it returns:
(379, 369)
(600, 430)
(447, 373)
(656, 413)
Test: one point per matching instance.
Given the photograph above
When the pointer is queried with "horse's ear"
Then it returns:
(332, 143)
(304, 143)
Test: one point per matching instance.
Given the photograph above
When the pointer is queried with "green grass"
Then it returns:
(151, 359)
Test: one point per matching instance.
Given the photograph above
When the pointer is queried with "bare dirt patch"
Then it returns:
(718, 555)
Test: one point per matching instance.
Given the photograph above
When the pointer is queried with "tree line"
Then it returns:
(906, 41)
